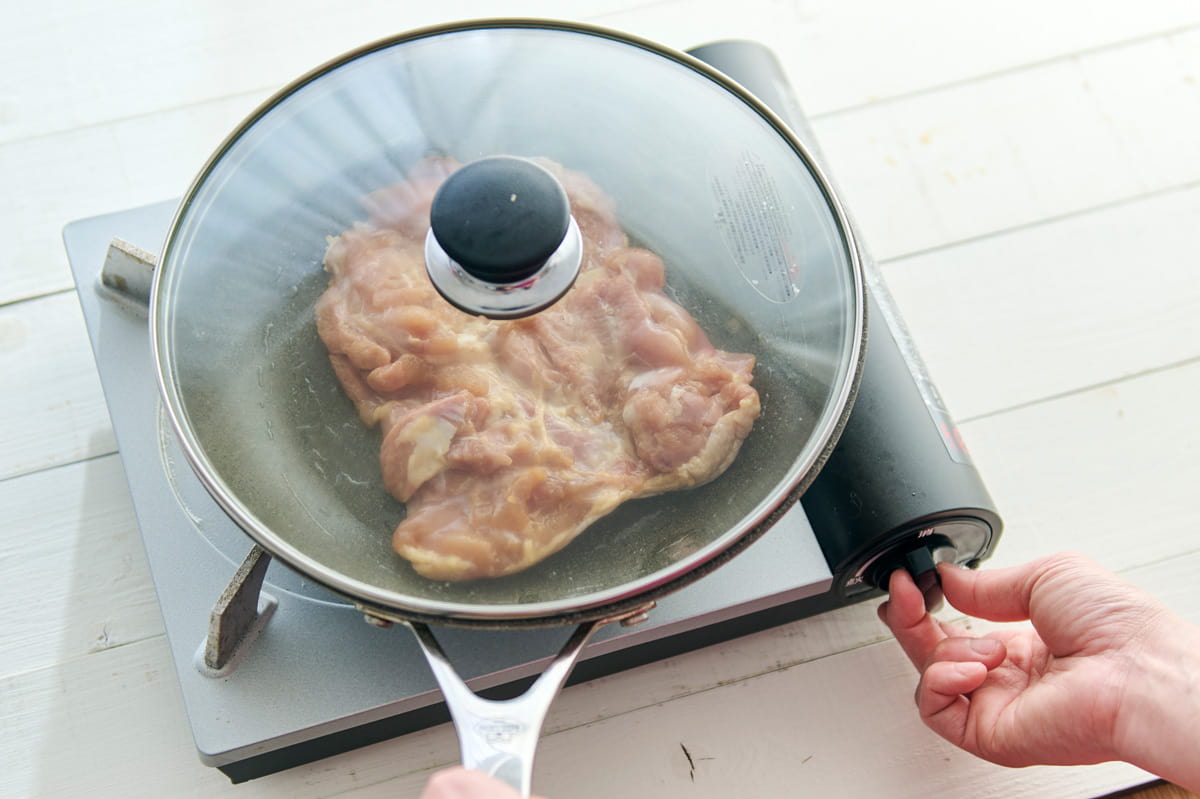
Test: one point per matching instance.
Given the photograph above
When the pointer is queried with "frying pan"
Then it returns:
(756, 245)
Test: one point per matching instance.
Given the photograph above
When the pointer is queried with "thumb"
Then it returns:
(1008, 594)
(997, 595)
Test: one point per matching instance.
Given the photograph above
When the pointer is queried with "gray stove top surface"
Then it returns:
(316, 668)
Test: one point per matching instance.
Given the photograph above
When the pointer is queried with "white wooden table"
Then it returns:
(1028, 173)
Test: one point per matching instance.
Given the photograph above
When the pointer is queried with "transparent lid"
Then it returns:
(656, 153)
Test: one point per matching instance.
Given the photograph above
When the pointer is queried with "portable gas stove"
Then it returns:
(899, 491)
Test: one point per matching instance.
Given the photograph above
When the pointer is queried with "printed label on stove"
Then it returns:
(756, 227)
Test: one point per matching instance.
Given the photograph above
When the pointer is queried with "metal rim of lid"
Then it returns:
(592, 605)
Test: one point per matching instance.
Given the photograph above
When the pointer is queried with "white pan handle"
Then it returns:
(500, 737)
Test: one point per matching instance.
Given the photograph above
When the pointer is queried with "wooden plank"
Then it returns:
(798, 732)
(201, 53)
(811, 721)
(1019, 148)
(821, 718)
(1160, 790)
(59, 415)
(86, 726)
(841, 54)
(90, 171)
(1109, 471)
(942, 166)
(1055, 307)
(72, 567)
(833, 50)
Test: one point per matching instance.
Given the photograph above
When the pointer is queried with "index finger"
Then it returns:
(904, 613)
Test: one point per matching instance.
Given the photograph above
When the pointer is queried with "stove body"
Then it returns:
(898, 491)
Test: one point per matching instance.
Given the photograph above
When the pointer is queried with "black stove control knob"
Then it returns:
(920, 560)
(917, 549)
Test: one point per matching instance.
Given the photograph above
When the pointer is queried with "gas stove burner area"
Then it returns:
(898, 492)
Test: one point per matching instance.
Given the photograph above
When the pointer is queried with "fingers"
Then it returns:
(956, 668)
(1006, 594)
(923, 638)
(997, 595)
(940, 696)
(917, 632)
(952, 663)
(461, 783)
(906, 600)
(988, 651)
(946, 682)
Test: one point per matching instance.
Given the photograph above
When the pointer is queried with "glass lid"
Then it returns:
(692, 358)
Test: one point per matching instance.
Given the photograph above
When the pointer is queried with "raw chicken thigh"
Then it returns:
(506, 439)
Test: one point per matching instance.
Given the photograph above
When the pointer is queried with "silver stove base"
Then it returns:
(317, 680)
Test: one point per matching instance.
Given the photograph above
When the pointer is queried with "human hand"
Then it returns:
(461, 783)
(1098, 677)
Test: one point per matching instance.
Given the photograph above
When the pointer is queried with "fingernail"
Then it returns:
(985, 646)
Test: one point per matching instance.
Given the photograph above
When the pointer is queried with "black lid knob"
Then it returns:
(500, 218)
